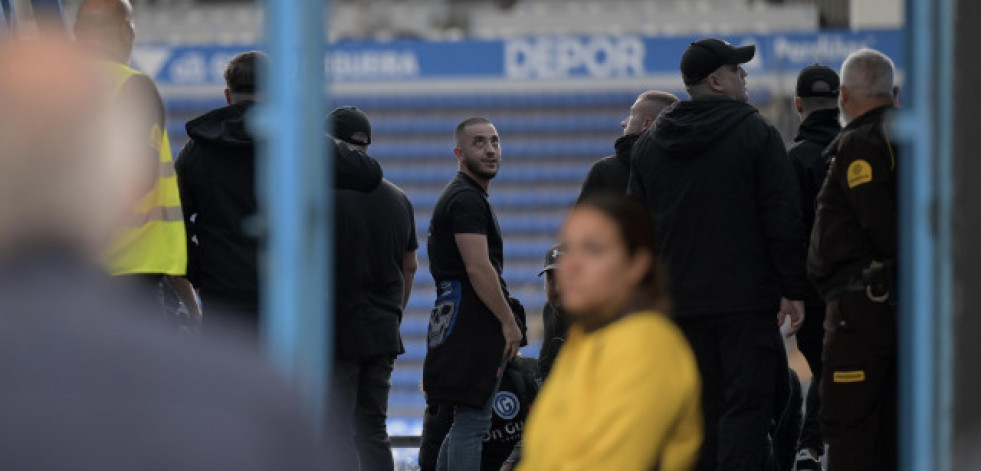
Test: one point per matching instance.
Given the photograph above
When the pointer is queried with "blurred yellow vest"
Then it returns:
(154, 240)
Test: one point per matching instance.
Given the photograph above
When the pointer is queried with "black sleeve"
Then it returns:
(189, 207)
(469, 214)
(874, 198)
(780, 214)
(354, 170)
(635, 183)
(592, 183)
(805, 183)
(413, 238)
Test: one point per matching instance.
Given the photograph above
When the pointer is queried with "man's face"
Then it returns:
(480, 150)
(731, 80)
(636, 122)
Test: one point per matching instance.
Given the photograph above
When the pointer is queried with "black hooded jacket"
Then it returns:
(816, 131)
(721, 191)
(216, 173)
(611, 173)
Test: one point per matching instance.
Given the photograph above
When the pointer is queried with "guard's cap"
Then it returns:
(551, 259)
(818, 81)
(350, 124)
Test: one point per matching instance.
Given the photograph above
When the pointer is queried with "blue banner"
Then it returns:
(589, 57)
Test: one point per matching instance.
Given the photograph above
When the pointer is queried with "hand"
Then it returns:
(794, 310)
(507, 466)
(512, 339)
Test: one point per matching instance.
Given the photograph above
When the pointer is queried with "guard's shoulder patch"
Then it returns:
(859, 172)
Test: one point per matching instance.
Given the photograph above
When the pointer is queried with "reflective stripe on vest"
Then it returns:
(153, 238)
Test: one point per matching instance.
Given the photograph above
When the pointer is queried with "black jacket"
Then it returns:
(611, 173)
(216, 174)
(811, 165)
(857, 210)
(725, 203)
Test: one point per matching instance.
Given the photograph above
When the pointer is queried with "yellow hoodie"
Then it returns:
(625, 397)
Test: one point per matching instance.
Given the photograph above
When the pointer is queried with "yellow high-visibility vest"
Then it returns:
(153, 240)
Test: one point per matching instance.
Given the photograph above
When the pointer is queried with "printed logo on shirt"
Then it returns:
(859, 173)
(506, 405)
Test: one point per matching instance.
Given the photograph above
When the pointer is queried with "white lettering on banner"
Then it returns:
(189, 68)
(560, 57)
(372, 65)
(823, 48)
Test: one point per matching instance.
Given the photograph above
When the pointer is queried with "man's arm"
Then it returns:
(779, 199)
(635, 184)
(868, 180)
(354, 170)
(591, 184)
(485, 281)
(185, 177)
(410, 263)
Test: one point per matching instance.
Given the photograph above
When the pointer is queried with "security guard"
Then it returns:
(152, 247)
(852, 259)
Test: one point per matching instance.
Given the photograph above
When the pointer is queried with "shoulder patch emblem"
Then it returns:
(859, 172)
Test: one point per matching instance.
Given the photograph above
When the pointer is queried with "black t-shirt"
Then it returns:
(463, 208)
(374, 231)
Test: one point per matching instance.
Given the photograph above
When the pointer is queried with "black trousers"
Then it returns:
(357, 434)
(858, 386)
(740, 357)
(810, 341)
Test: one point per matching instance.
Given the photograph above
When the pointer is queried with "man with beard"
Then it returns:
(611, 173)
(817, 104)
(473, 330)
(852, 259)
(722, 193)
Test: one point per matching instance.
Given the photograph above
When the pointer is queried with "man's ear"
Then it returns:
(798, 105)
(843, 96)
(228, 96)
(895, 95)
(648, 122)
(713, 82)
(458, 152)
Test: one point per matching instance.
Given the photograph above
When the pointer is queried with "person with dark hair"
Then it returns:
(817, 103)
(216, 172)
(555, 322)
(853, 260)
(151, 248)
(611, 174)
(624, 391)
(474, 329)
(375, 259)
(715, 176)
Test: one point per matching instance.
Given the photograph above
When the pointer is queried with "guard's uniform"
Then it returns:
(852, 260)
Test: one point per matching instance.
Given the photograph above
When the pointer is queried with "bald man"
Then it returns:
(852, 259)
(612, 173)
(152, 247)
(91, 381)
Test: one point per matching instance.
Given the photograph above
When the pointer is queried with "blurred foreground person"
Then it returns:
(150, 246)
(852, 258)
(624, 391)
(89, 384)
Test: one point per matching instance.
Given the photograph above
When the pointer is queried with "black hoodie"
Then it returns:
(816, 131)
(611, 173)
(716, 177)
(216, 175)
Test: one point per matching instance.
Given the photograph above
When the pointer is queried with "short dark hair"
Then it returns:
(462, 127)
(240, 74)
(637, 232)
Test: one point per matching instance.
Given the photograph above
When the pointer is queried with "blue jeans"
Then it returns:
(464, 444)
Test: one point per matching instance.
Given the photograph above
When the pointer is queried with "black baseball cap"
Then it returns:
(818, 81)
(705, 55)
(551, 259)
(350, 124)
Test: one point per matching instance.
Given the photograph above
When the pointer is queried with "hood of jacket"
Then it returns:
(624, 146)
(689, 127)
(223, 127)
(820, 127)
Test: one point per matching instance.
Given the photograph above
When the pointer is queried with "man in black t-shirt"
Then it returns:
(376, 262)
(473, 330)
